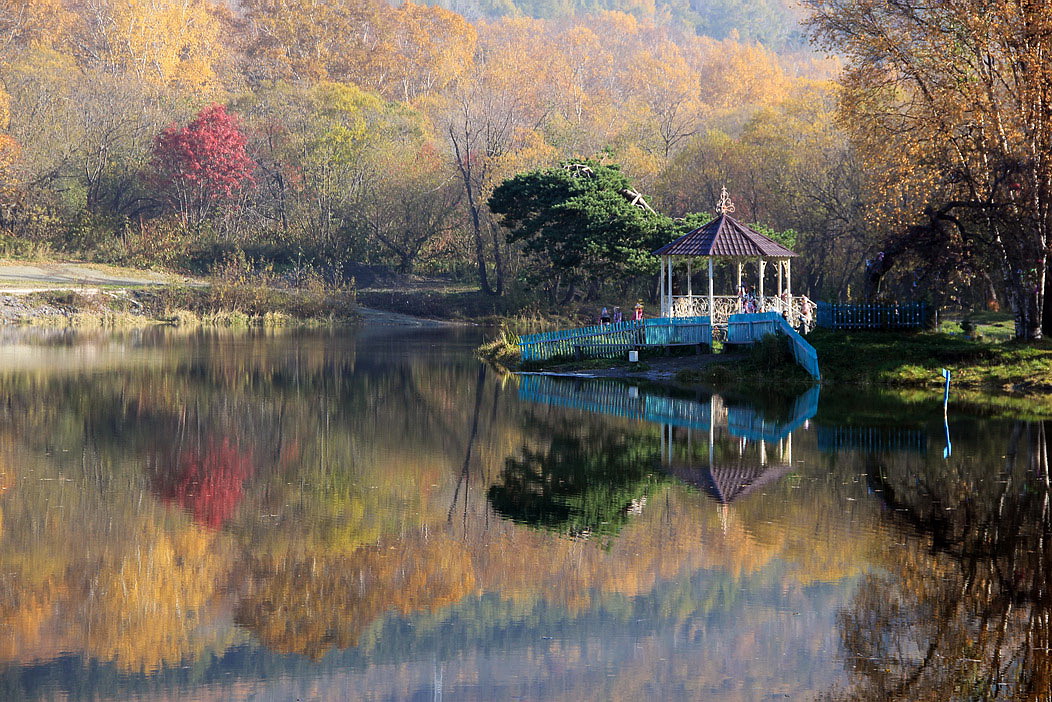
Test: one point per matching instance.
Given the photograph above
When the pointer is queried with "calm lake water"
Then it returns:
(379, 516)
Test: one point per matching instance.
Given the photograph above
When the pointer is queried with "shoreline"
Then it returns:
(1004, 379)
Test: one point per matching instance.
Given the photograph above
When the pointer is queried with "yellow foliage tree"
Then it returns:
(165, 42)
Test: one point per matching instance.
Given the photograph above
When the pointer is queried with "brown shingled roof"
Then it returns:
(727, 483)
(725, 236)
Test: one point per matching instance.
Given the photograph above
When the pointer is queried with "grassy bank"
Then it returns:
(913, 360)
(897, 359)
(1007, 379)
(220, 305)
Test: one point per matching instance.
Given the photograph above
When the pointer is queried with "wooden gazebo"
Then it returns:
(727, 239)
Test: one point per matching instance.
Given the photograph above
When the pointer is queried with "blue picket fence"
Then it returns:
(750, 328)
(910, 315)
(614, 398)
(609, 340)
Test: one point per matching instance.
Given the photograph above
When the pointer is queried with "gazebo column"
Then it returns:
(668, 298)
(780, 277)
(789, 278)
(712, 298)
(690, 287)
(666, 274)
(661, 287)
(738, 290)
(763, 267)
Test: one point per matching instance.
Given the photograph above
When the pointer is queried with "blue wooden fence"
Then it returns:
(905, 316)
(609, 340)
(750, 328)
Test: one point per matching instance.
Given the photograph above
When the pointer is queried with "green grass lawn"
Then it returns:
(988, 326)
(914, 359)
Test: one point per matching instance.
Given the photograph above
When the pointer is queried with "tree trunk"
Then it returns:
(480, 246)
(1046, 317)
(498, 261)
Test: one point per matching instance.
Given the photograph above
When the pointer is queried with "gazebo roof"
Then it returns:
(727, 483)
(725, 236)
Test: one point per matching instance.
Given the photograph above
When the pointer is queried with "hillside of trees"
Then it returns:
(327, 135)
(330, 133)
(773, 23)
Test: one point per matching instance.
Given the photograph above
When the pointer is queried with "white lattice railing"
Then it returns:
(799, 311)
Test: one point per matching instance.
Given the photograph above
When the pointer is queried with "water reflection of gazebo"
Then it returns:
(764, 451)
(755, 449)
(725, 239)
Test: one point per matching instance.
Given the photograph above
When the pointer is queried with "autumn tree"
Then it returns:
(949, 105)
(432, 46)
(320, 40)
(791, 168)
(203, 164)
(169, 43)
(9, 151)
(329, 156)
(411, 202)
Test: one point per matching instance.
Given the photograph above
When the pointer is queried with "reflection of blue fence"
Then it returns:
(872, 440)
(613, 398)
(750, 328)
(905, 316)
(747, 423)
(607, 340)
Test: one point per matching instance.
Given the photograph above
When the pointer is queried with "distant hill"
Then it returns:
(773, 23)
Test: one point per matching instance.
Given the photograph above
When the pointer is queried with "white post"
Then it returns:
(690, 286)
(712, 299)
(780, 278)
(661, 282)
(664, 286)
(668, 312)
(738, 290)
(789, 277)
(763, 266)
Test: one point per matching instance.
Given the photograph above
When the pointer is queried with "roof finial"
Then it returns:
(724, 205)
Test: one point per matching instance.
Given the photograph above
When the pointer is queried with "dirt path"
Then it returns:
(383, 318)
(18, 277)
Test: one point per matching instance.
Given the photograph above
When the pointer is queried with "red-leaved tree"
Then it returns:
(202, 165)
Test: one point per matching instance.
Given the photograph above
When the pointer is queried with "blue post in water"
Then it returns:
(945, 413)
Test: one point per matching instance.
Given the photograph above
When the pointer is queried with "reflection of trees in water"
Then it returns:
(284, 446)
(964, 610)
(587, 481)
(310, 607)
(208, 482)
(345, 517)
